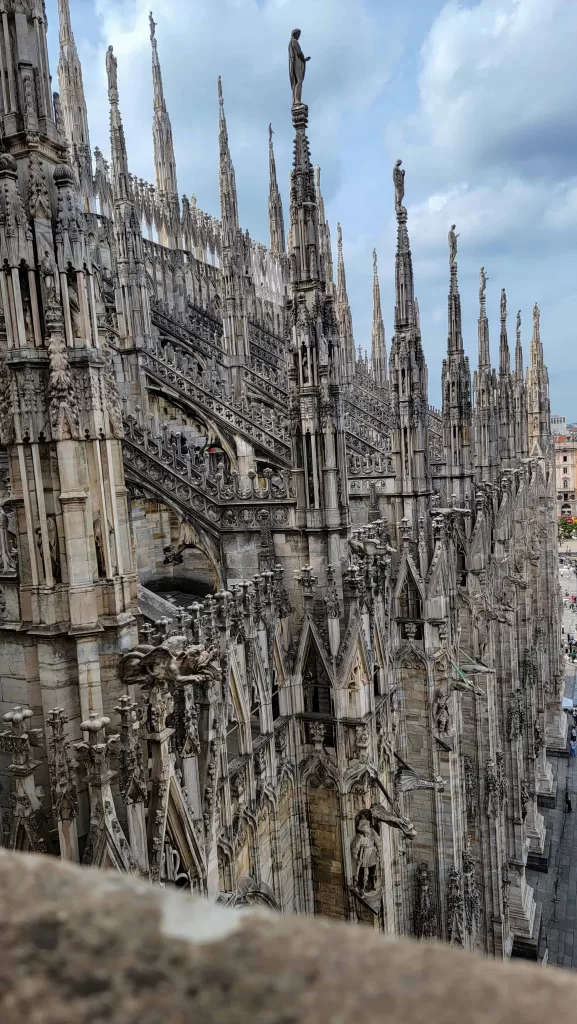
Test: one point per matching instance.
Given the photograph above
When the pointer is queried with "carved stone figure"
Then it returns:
(452, 245)
(111, 69)
(425, 911)
(482, 284)
(75, 314)
(49, 272)
(365, 851)
(399, 183)
(297, 66)
(441, 712)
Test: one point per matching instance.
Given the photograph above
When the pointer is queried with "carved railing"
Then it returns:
(375, 465)
(220, 504)
(365, 440)
(361, 415)
(245, 418)
(266, 385)
(197, 329)
(368, 403)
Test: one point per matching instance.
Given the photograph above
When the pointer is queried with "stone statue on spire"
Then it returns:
(452, 245)
(503, 304)
(536, 316)
(399, 183)
(297, 66)
(152, 27)
(111, 69)
(482, 284)
(518, 325)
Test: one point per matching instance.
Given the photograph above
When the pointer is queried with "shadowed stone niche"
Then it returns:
(85, 946)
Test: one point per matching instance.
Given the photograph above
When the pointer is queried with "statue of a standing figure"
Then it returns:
(297, 66)
(482, 284)
(111, 69)
(49, 271)
(503, 304)
(452, 245)
(365, 853)
(399, 183)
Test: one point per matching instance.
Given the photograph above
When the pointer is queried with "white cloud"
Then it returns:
(496, 87)
(246, 42)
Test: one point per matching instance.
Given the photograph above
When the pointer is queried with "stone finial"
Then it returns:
(18, 740)
(95, 751)
(307, 581)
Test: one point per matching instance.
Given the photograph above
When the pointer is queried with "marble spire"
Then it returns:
(518, 348)
(344, 313)
(504, 357)
(73, 104)
(164, 160)
(275, 211)
(226, 177)
(483, 324)
(378, 343)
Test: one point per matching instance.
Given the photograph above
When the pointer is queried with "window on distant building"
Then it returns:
(565, 484)
(564, 458)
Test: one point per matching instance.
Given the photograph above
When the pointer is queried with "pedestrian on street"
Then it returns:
(573, 748)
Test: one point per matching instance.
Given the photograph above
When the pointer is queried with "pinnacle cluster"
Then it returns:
(273, 630)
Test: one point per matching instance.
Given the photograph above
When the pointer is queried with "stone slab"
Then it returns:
(540, 861)
(548, 799)
(527, 947)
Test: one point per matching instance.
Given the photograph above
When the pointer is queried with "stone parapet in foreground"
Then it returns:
(81, 947)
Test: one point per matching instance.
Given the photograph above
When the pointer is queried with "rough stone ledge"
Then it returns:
(95, 948)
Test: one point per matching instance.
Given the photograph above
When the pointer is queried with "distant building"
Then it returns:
(565, 461)
(558, 425)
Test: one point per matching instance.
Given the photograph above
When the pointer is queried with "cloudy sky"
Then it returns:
(477, 97)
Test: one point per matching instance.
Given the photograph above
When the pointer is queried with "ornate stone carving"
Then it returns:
(406, 779)
(425, 909)
(455, 909)
(471, 896)
(132, 773)
(365, 852)
(515, 714)
(62, 781)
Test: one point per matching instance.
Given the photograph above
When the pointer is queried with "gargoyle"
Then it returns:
(466, 686)
(175, 661)
(407, 779)
(394, 819)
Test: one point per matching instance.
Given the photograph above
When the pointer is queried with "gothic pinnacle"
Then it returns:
(227, 180)
(404, 285)
(504, 358)
(518, 348)
(344, 313)
(483, 331)
(164, 160)
(378, 344)
(73, 105)
(455, 342)
(275, 211)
